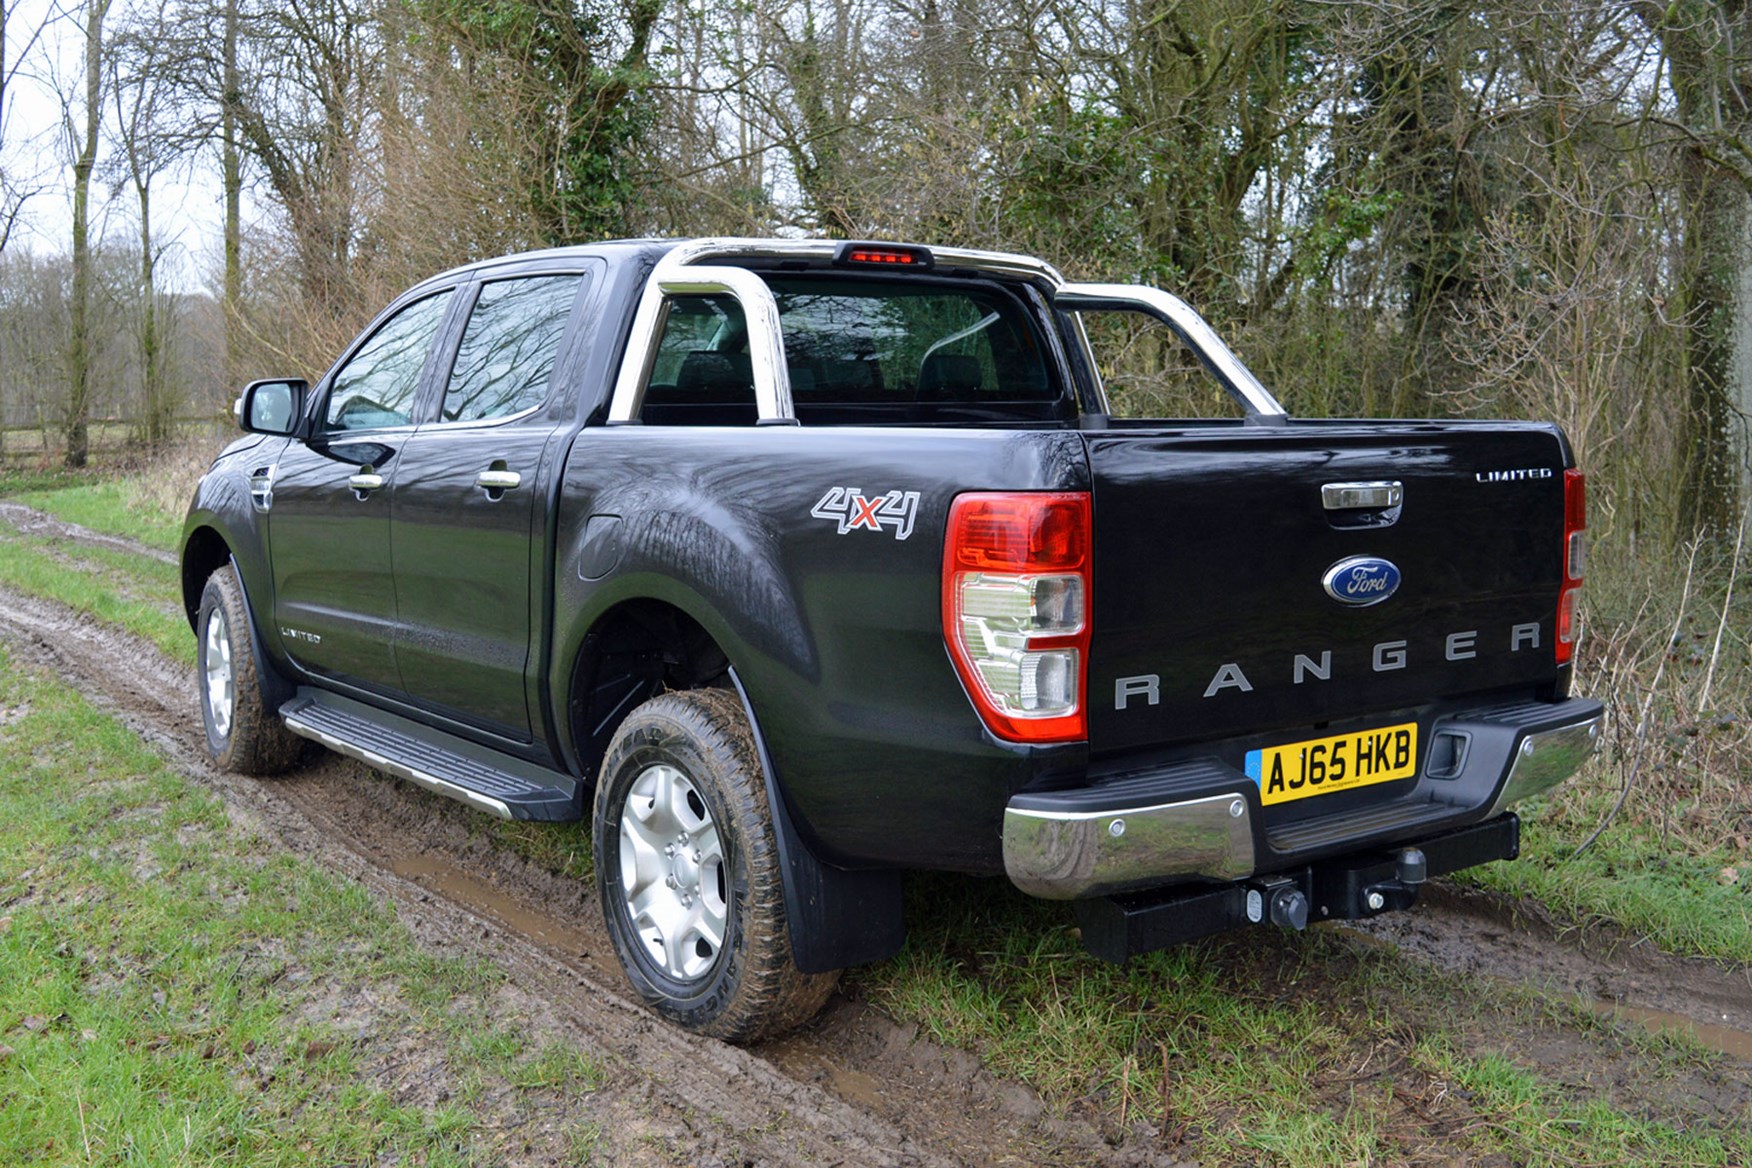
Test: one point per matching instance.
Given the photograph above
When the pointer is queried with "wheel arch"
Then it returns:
(204, 552)
(642, 646)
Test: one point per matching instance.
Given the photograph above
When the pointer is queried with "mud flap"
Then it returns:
(837, 917)
(276, 690)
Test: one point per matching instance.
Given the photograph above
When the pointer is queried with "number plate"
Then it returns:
(1319, 766)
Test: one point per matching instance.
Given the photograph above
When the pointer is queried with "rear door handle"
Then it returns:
(498, 480)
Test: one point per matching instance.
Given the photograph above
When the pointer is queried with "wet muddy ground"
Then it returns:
(855, 1087)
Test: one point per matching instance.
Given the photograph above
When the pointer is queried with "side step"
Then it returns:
(483, 778)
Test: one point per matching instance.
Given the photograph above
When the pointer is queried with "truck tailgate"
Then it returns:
(1212, 544)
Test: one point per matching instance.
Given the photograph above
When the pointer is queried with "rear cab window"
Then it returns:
(861, 350)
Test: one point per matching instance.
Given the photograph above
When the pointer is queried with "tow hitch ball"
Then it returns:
(1343, 894)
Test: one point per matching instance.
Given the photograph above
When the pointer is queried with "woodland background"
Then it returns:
(1535, 208)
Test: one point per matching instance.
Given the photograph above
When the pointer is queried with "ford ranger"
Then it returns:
(794, 565)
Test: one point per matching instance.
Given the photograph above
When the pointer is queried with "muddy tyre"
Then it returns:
(688, 871)
(243, 734)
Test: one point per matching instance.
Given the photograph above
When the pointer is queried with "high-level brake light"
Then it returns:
(1016, 610)
(1575, 560)
(883, 255)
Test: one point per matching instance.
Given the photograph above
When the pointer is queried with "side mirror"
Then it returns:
(273, 406)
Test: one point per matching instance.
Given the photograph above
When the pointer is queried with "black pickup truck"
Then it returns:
(798, 564)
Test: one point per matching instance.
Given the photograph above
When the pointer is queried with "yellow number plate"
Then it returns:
(1345, 762)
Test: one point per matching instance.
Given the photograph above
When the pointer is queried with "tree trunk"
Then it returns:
(231, 179)
(1715, 223)
(155, 422)
(76, 426)
(1712, 104)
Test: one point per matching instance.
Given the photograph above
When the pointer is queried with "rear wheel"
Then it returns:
(688, 871)
(243, 735)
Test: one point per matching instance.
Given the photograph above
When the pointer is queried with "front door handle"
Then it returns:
(498, 480)
(365, 482)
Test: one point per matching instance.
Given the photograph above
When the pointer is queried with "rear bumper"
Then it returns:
(1200, 820)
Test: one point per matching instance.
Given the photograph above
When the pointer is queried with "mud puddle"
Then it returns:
(1474, 932)
(1727, 1040)
(480, 897)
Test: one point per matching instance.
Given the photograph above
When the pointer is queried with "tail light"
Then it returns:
(1575, 560)
(1016, 610)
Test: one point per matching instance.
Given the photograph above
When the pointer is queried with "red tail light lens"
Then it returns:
(1016, 610)
(1575, 560)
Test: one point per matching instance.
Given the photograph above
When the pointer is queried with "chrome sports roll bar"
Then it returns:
(681, 272)
(1188, 325)
(677, 274)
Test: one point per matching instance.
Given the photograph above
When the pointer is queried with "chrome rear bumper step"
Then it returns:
(1202, 819)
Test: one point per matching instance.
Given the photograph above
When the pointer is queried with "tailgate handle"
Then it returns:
(1361, 496)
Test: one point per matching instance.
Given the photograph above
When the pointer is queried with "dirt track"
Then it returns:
(855, 1088)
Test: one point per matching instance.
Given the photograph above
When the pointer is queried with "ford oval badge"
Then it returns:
(1361, 580)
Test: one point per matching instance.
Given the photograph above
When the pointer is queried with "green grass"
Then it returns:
(1264, 1047)
(145, 601)
(1635, 877)
(173, 991)
(563, 849)
(109, 506)
(16, 480)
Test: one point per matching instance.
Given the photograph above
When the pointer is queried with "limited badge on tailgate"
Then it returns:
(1344, 762)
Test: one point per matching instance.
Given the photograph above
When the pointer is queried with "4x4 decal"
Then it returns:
(852, 509)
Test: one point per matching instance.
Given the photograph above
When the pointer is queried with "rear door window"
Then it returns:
(506, 357)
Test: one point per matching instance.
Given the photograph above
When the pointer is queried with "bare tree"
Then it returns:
(1708, 62)
(17, 185)
(80, 342)
(140, 92)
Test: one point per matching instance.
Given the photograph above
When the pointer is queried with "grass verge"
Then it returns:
(1308, 1049)
(174, 991)
(129, 592)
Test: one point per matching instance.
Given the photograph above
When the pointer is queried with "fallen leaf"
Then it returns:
(6, 1051)
(34, 1023)
(1730, 876)
(318, 1049)
(5, 924)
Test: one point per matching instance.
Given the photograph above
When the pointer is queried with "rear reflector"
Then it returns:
(1016, 610)
(1575, 561)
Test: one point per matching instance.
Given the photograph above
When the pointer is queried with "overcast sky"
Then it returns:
(188, 210)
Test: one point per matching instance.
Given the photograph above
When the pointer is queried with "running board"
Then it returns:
(483, 778)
